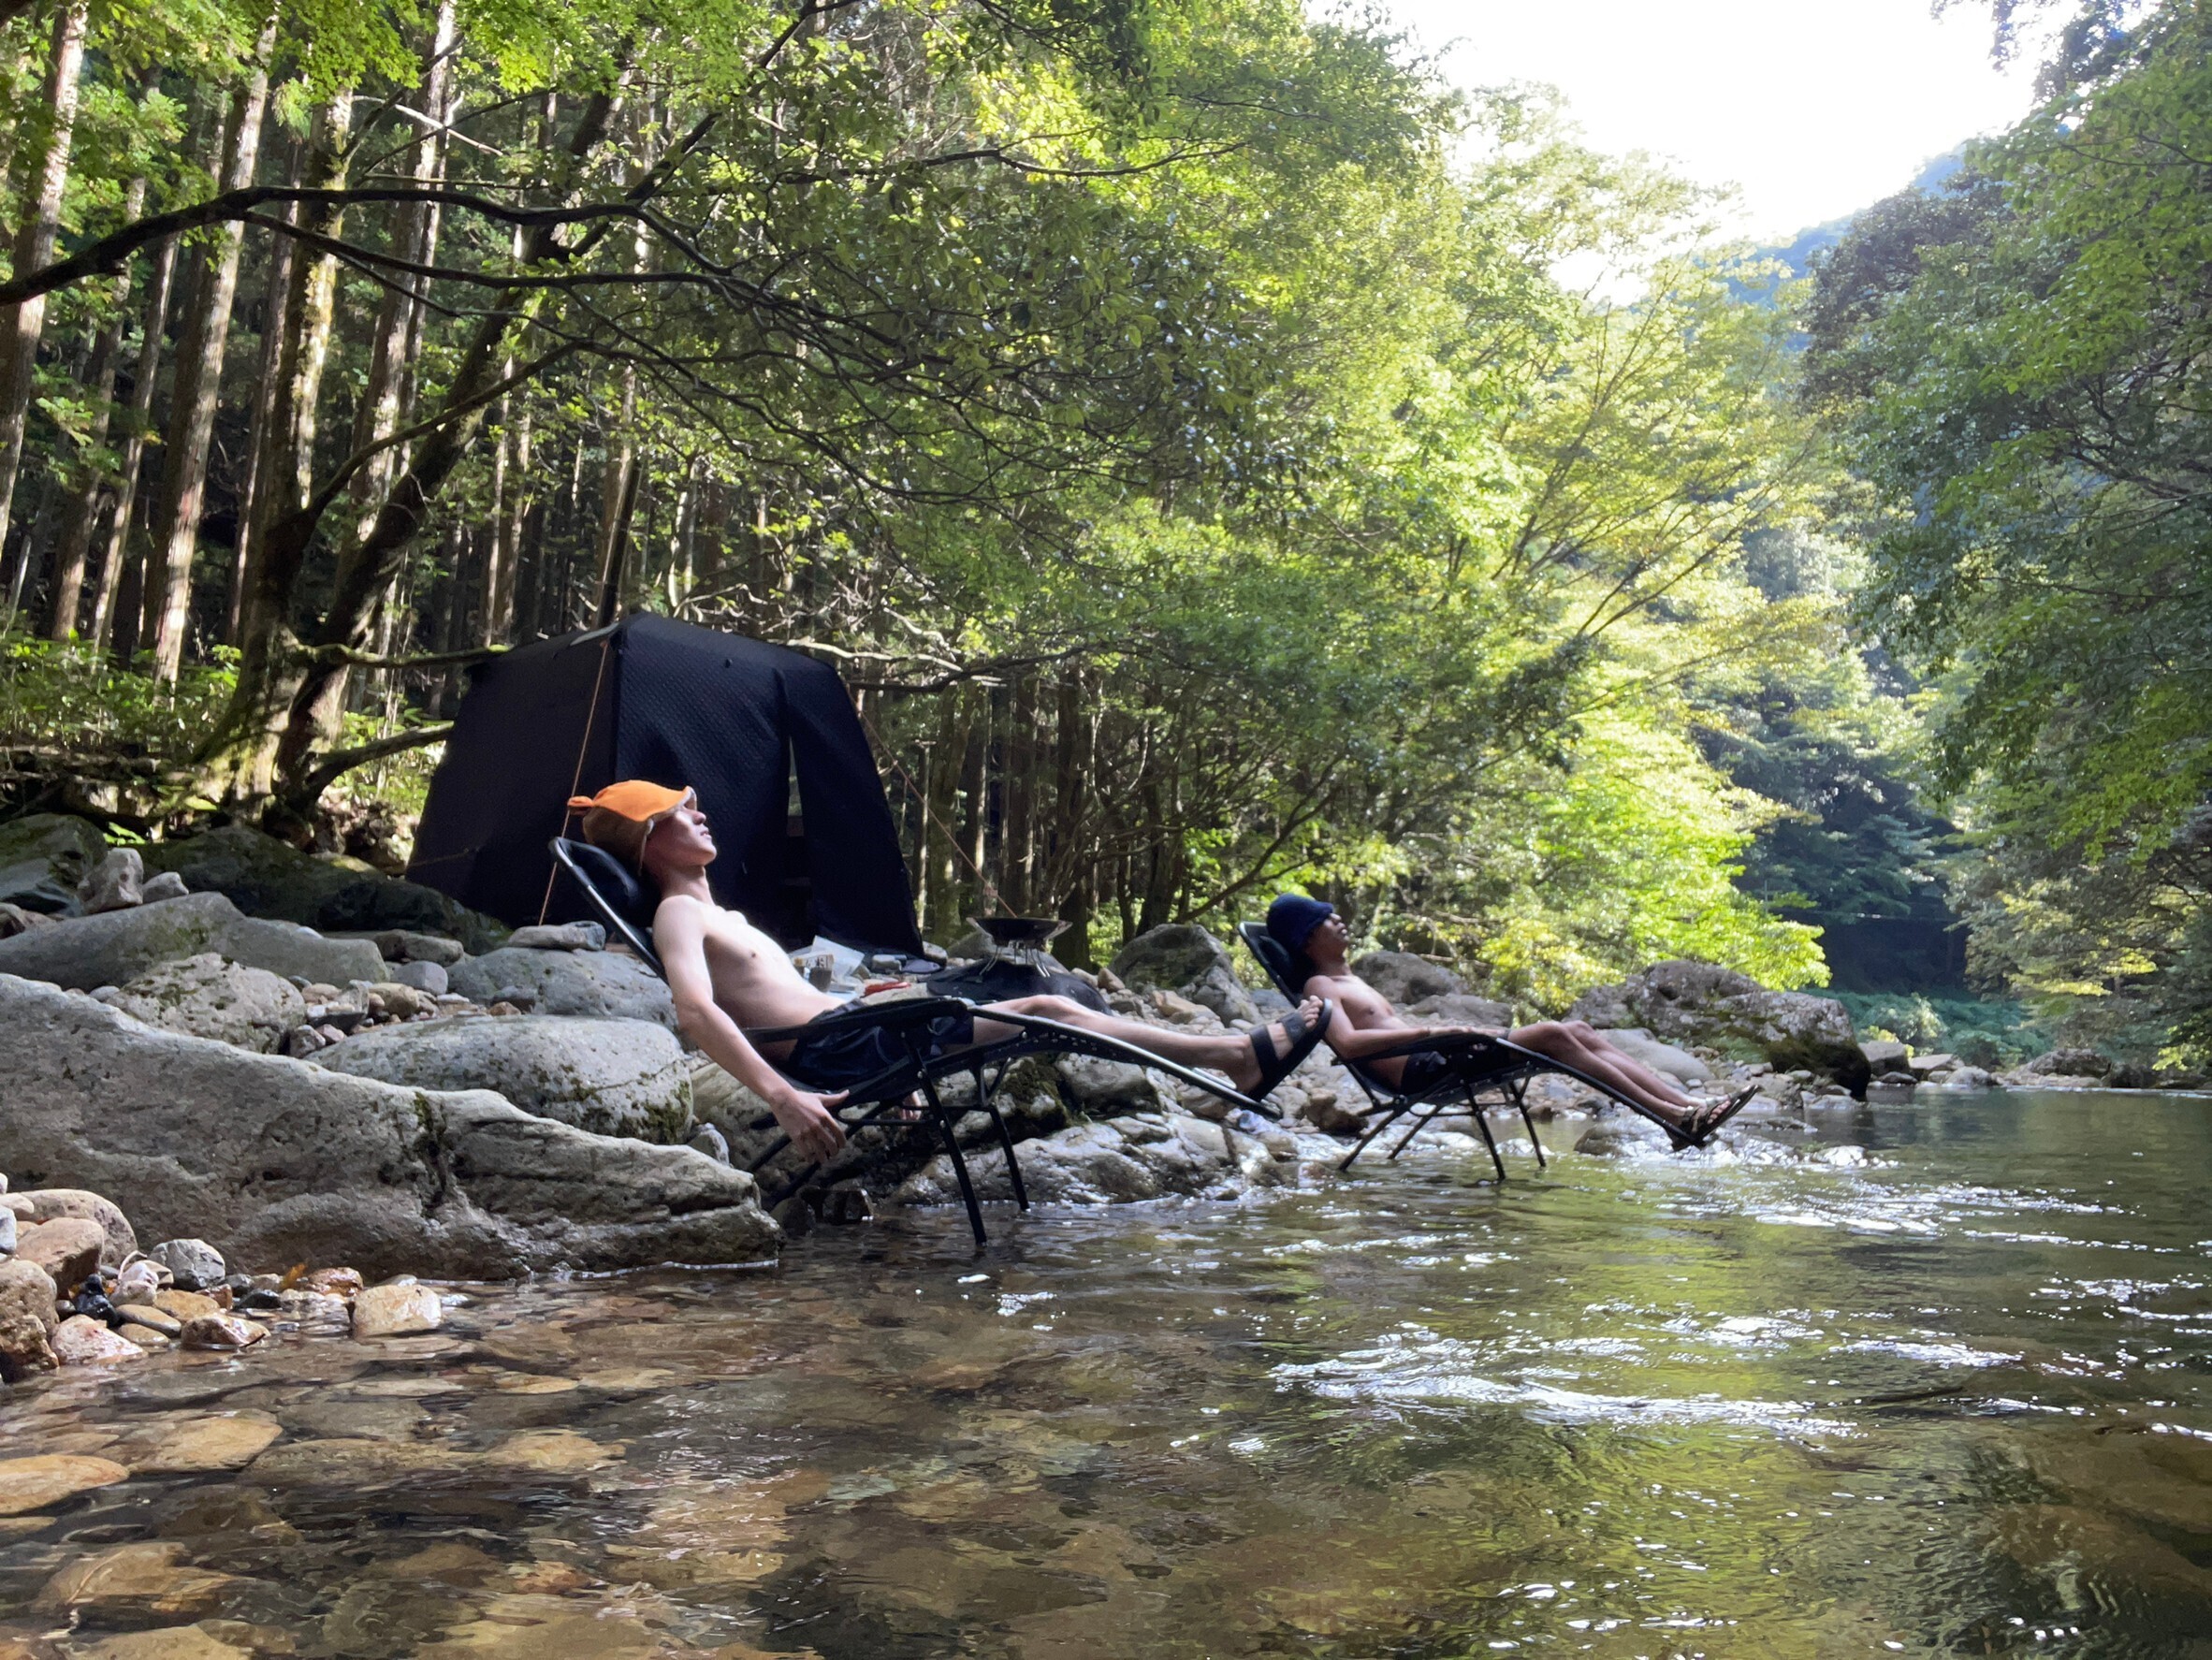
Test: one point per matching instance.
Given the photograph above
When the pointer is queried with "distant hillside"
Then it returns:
(1796, 256)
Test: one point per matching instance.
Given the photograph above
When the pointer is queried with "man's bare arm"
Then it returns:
(680, 936)
(1353, 1041)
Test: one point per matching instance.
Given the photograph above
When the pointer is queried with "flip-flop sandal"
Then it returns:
(1303, 1039)
(1708, 1119)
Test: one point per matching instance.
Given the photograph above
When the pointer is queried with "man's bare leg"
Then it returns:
(1579, 1046)
(1229, 1053)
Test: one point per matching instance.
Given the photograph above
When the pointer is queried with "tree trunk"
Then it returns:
(132, 461)
(92, 483)
(262, 444)
(617, 500)
(46, 174)
(199, 387)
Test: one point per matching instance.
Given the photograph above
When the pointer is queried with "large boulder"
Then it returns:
(42, 859)
(111, 949)
(209, 997)
(1641, 1047)
(265, 877)
(1458, 1008)
(1184, 958)
(611, 1077)
(276, 1161)
(592, 984)
(1687, 1002)
(1405, 979)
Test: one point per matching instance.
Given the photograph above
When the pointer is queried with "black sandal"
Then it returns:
(1701, 1127)
(1303, 1039)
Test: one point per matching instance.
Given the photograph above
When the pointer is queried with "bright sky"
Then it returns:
(1810, 108)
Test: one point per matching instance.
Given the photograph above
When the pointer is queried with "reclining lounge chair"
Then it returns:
(623, 904)
(1484, 1066)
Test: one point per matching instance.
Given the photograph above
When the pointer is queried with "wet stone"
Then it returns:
(227, 1441)
(134, 1582)
(395, 1310)
(41, 1482)
(80, 1340)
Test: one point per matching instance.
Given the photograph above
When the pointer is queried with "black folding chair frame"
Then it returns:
(893, 1089)
(1482, 1064)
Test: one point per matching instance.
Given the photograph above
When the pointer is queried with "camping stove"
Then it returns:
(1021, 940)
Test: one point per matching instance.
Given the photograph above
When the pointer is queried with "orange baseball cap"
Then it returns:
(636, 799)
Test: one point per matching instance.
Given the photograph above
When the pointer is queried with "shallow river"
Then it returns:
(1933, 1382)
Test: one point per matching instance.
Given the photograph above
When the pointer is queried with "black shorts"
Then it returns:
(842, 1047)
(1424, 1070)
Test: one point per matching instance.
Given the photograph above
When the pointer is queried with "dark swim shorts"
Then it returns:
(842, 1047)
(1424, 1070)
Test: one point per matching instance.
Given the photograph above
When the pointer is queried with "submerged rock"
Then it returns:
(277, 1161)
(209, 997)
(41, 1483)
(114, 949)
(612, 1077)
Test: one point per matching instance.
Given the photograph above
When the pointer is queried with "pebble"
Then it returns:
(136, 1283)
(37, 1483)
(185, 1305)
(193, 1264)
(333, 1282)
(164, 884)
(144, 1336)
(393, 1310)
(222, 1332)
(153, 1319)
(81, 1341)
(122, 1586)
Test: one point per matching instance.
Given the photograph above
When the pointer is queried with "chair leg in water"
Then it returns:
(987, 1094)
(1381, 1125)
(1520, 1100)
(944, 1125)
(1474, 1110)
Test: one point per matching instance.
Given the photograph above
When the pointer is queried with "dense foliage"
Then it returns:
(2018, 367)
(1175, 421)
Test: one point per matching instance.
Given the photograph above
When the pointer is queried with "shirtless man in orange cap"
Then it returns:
(726, 975)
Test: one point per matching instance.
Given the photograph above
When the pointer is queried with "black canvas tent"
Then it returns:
(735, 719)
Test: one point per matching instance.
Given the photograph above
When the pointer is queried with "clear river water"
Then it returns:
(1935, 1380)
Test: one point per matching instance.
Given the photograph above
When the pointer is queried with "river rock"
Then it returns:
(1965, 1078)
(42, 859)
(1109, 1089)
(114, 949)
(2069, 1063)
(394, 1310)
(1884, 1054)
(170, 1643)
(161, 886)
(1639, 1045)
(27, 1322)
(1689, 1002)
(119, 1242)
(212, 998)
(222, 1332)
(68, 1248)
(1405, 979)
(277, 1161)
(15, 920)
(267, 878)
(1121, 1162)
(41, 1483)
(1185, 958)
(193, 1264)
(429, 978)
(591, 985)
(403, 945)
(82, 1341)
(149, 1317)
(124, 1585)
(560, 937)
(112, 884)
(612, 1077)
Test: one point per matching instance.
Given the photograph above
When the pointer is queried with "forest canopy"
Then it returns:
(1218, 456)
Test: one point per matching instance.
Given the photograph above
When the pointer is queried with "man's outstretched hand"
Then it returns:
(811, 1122)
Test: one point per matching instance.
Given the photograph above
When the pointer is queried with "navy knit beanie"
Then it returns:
(1293, 917)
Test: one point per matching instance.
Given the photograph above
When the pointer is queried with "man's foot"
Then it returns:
(1278, 1050)
(1701, 1124)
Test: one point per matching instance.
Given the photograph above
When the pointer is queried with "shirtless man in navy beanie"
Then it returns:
(1363, 1023)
